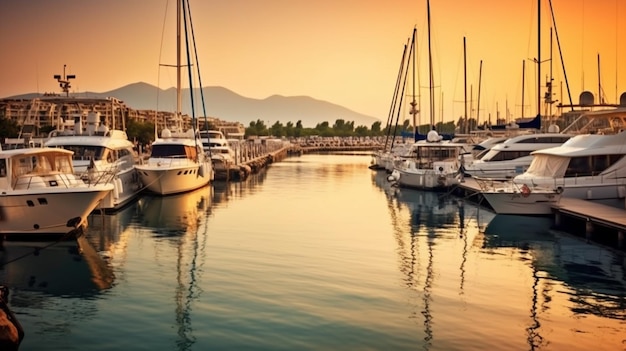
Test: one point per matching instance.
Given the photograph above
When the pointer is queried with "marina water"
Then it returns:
(317, 252)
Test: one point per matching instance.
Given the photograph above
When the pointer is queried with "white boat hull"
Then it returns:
(126, 188)
(534, 203)
(424, 179)
(174, 176)
(54, 213)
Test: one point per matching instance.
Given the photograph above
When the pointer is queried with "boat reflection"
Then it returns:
(225, 191)
(587, 278)
(65, 268)
(179, 225)
(513, 230)
(174, 215)
(109, 232)
(423, 220)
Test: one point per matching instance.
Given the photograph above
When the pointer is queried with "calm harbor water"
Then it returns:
(316, 253)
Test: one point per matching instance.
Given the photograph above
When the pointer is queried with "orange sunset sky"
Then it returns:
(342, 51)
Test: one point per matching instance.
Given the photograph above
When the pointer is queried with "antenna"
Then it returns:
(64, 82)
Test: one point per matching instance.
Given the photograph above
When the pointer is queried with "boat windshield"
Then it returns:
(211, 144)
(437, 153)
(86, 152)
(173, 151)
(496, 155)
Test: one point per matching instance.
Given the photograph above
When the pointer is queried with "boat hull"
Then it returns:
(126, 188)
(424, 179)
(171, 178)
(535, 203)
(48, 214)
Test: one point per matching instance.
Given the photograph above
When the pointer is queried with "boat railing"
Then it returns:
(44, 180)
(504, 185)
(94, 176)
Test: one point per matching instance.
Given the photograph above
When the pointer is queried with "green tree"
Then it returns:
(277, 129)
(289, 130)
(298, 130)
(141, 132)
(376, 128)
(8, 128)
(361, 131)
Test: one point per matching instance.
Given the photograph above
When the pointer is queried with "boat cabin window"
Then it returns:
(505, 155)
(63, 164)
(85, 153)
(3, 168)
(211, 144)
(553, 139)
(585, 166)
(173, 151)
(436, 153)
(30, 164)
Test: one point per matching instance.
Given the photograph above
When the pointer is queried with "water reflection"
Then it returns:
(174, 215)
(590, 278)
(420, 219)
(109, 232)
(180, 222)
(73, 268)
(66, 268)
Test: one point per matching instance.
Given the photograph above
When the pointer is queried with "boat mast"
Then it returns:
(414, 111)
(179, 100)
(394, 100)
(430, 72)
(538, 57)
(480, 78)
(523, 83)
(600, 97)
(465, 128)
(558, 43)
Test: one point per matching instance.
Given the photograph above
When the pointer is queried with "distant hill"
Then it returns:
(230, 106)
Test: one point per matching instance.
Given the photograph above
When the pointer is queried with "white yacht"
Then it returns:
(42, 195)
(218, 148)
(511, 157)
(590, 167)
(101, 154)
(177, 164)
(177, 161)
(433, 164)
(510, 198)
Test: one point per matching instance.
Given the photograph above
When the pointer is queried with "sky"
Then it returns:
(347, 52)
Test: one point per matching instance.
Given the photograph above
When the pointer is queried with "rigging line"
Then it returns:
(197, 62)
(431, 83)
(406, 72)
(616, 50)
(189, 73)
(558, 44)
(394, 97)
(159, 68)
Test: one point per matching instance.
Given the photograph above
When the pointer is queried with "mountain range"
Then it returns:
(230, 106)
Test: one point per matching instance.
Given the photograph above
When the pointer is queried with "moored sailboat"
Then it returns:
(177, 161)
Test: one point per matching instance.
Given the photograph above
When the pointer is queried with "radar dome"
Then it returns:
(433, 136)
(166, 133)
(586, 98)
(553, 128)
